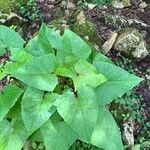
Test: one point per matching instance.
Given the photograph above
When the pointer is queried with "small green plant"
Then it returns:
(30, 11)
(98, 1)
(58, 92)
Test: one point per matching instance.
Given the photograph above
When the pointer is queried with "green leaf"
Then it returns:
(87, 75)
(57, 135)
(8, 97)
(74, 45)
(66, 64)
(36, 109)
(137, 147)
(39, 73)
(119, 82)
(82, 73)
(13, 136)
(106, 134)
(2, 73)
(80, 112)
(37, 136)
(9, 39)
(49, 39)
(98, 57)
(15, 111)
(18, 58)
(34, 48)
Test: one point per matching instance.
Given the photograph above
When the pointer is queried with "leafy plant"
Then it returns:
(29, 9)
(59, 92)
(99, 1)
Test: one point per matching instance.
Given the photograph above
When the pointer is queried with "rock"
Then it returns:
(81, 19)
(118, 22)
(64, 4)
(128, 133)
(91, 6)
(112, 21)
(70, 5)
(143, 5)
(109, 43)
(131, 43)
(67, 4)
(121, 3)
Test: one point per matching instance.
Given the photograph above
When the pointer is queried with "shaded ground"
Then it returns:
(104, 29)
(141, 68)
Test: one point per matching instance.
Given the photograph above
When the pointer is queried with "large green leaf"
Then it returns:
(39, 73)
(106, 134)
(9, 39)
(17, 59)
(97, 56)
(79, 112)
(57, 135)
(49, 39)
(34, 48)
(8, 97)
(82, 73)
(36, 110)
(74, 45)
(15, 111)
(119, 82)
(12, 136)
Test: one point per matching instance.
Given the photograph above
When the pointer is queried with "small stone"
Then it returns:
(109, 43)
(67, 12)
(63, 4)
(128, 135)
(70, 5)
(143, 5)
(81, 18)
(87, 38)
(131, 43)
(91, 6)
(121, 4)
(148, 77)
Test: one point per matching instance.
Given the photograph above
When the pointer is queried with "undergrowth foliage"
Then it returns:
(59, 92)
(99, 2)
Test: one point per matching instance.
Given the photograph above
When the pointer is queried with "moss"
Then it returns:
(6, 6)
(88, 29)
(3, 16)
(59, 24)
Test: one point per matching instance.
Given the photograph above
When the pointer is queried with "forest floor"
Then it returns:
(133, 109)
